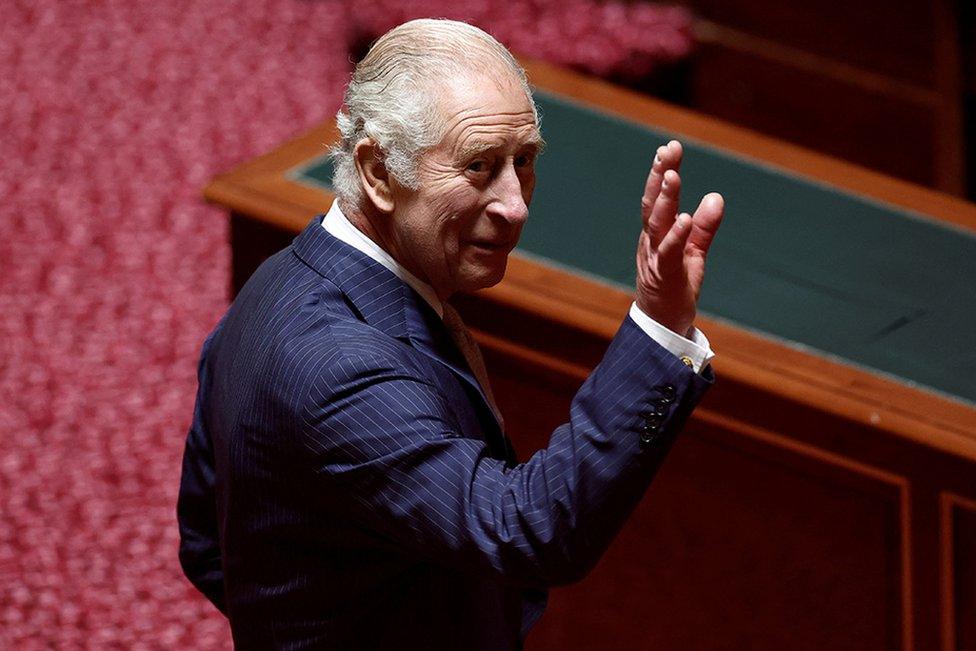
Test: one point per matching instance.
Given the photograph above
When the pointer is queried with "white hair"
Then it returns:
(392, 96)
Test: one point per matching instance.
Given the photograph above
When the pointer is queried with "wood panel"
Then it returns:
(867, 34)
(876, 85)
(967, 45)
(733, 551)
(870, 124)
(958, 576)
(967, 24)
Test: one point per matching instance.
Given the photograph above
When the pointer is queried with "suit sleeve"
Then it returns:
(196, 508)
(387, 443)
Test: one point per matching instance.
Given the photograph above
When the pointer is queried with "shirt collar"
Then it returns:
(342, 229)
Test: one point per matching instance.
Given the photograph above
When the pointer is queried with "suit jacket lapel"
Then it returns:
(429, 335)
(387, 303)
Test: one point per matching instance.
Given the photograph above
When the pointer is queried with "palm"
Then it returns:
(672, 248)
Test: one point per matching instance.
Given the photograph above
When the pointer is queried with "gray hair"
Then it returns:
(392, 96)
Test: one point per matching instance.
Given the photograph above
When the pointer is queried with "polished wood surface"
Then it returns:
(809, 504)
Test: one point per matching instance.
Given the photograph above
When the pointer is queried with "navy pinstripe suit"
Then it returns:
(346, 485)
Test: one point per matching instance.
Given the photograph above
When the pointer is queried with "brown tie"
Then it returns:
(472, 354)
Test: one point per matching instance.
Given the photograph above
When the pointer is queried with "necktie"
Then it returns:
(472, 355)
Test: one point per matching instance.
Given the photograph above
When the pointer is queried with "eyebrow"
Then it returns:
(476, 148)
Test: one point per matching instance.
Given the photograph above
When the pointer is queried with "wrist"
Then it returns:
(680, 325)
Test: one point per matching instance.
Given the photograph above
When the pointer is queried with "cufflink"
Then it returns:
(687, 361)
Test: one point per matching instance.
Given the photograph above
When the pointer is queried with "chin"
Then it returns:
(484, 277)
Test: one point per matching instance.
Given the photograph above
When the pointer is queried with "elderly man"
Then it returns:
(347, 482)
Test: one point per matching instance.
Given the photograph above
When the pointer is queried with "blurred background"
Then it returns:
(113, 116)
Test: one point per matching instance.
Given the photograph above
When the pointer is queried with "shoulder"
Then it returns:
(317, 349)
(290, 329)
(370, 396)
(355, 356)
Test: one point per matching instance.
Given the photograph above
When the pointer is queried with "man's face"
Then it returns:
(456, 231)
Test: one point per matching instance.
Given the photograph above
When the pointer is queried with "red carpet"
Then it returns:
(113, 115)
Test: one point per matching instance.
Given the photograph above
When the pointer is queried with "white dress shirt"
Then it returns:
(693, 350)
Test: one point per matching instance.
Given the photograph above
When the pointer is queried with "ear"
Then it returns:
(373, 175)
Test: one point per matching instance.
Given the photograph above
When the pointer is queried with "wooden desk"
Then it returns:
(811, 503)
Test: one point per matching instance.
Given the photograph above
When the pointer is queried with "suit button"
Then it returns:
(646, 438)
(661, 405)
(667, 391)
(656, 411)
(652, 424)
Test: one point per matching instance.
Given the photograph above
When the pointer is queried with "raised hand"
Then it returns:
(672, 248)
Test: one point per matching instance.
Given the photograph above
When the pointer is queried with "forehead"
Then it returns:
(486, 109)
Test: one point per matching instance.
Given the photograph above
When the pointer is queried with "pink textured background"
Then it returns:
(113, 116)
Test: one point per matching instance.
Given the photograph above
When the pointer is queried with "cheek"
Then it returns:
(457, 214)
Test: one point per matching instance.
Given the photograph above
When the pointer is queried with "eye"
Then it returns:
(479, 166)
(525, 160)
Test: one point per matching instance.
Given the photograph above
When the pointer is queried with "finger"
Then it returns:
(667, 157)
(652, 187)
(665, 208)
(671, 252)
(707, 219)
(675, 152)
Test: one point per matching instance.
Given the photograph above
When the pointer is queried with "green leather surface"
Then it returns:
(871, 284)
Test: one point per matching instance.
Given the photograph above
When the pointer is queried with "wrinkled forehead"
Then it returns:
(490, 102)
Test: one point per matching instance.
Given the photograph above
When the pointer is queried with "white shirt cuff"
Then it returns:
(694, 350)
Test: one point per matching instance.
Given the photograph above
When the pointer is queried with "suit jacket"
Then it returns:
(346, 485)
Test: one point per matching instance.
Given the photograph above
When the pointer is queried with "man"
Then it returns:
(347, 482)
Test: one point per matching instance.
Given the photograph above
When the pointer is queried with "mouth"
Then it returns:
(491, 246)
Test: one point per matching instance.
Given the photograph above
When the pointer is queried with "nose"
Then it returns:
(508, 201)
